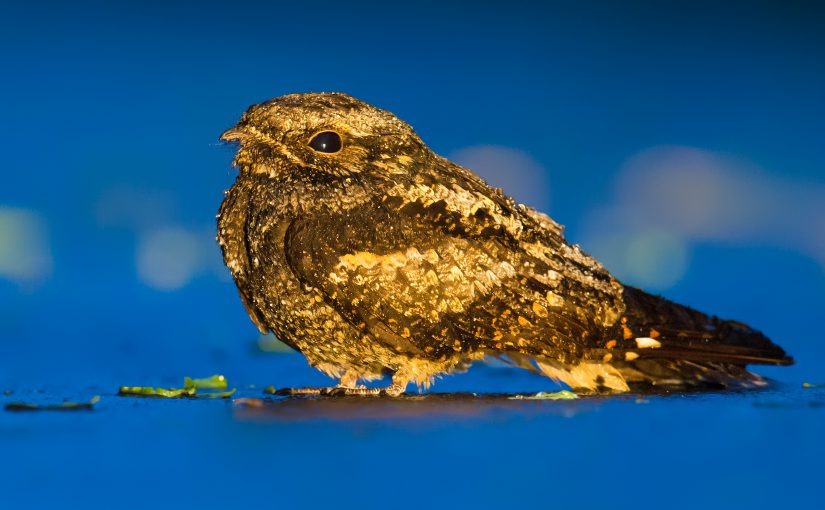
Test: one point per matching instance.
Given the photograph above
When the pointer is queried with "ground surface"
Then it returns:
(744, 450)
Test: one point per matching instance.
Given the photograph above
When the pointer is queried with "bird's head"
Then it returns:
(323, 134)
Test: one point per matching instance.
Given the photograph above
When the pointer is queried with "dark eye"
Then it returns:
(326, 141)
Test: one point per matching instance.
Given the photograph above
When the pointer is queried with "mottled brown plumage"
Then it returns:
(370, 254)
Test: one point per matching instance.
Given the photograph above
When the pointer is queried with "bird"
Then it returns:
(358, 246)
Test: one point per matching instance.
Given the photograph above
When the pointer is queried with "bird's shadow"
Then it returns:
(405, 407)
(452, 406)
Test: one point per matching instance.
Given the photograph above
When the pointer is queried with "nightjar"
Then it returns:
(358, 246)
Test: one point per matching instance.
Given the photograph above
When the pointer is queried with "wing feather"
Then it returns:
(232, 224)
(440, 268)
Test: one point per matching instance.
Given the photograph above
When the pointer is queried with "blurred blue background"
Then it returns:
(682, 143)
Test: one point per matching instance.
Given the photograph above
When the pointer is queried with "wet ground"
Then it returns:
(456, 447)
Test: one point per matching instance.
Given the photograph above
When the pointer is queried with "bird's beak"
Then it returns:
(234, 133)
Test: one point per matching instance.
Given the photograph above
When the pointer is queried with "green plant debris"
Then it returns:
(215, 382)
(216, 394)
(148, 391)
(65, 406)
(270, 390)
(811, 385)
(548, 395)
(192, 388)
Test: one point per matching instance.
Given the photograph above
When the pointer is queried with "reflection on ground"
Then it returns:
(426, 406)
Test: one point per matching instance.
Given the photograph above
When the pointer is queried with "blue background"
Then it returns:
(111, 115)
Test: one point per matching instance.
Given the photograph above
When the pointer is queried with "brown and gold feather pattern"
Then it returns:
(382, 257)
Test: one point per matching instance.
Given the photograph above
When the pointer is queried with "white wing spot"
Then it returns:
(647, 343)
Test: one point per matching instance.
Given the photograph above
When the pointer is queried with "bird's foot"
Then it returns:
(393, 390)
(348, 387)
(295, 392)
(357, 391)
(341, 391)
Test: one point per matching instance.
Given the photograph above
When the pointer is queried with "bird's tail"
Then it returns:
(659, 342)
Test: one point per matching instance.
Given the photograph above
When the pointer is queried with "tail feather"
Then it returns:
(663, 344)
(659, 342)
(656, 328)
(687, 374)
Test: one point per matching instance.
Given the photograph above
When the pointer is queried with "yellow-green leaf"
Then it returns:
(191, 389)
(215, 382)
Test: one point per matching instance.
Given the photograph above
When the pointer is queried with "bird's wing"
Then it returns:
(434, 268)
(232, 238)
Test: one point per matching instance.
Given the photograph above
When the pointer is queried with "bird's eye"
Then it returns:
(326, 141)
